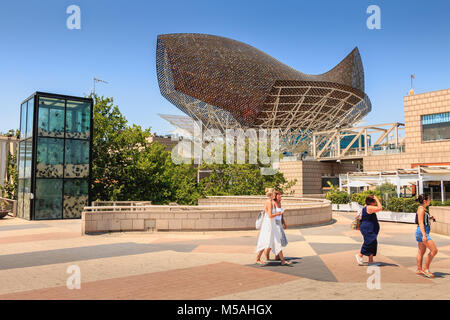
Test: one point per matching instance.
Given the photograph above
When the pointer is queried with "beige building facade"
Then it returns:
(419, 149)
(426, 143)
(312, 175)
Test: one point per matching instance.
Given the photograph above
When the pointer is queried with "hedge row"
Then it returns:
(393, 204)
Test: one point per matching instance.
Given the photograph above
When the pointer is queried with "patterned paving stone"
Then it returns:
(345, 268)
(324, 248)
(440, 264)
(329, 239)
(194, 283)
(411, 261)
(311, 267)
(39, 237)
(23, 227)
(38, 258)
(224, 249)
(299, 249)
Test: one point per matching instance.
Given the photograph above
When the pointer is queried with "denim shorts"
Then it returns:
(419, 234)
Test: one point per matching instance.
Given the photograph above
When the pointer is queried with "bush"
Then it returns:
(440, 204)
(361, 197)
(338, 197)
(402, 205)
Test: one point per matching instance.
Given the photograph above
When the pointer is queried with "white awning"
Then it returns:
(357, 184)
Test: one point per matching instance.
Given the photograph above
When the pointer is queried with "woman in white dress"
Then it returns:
(270, 236)
(279, 220)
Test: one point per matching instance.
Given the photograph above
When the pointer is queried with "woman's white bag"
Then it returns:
(259, 220)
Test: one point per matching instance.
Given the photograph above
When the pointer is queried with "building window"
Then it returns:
(436, 127)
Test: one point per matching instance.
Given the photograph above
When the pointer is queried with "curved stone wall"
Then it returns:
(212, 214)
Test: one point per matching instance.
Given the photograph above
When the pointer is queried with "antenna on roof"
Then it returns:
(411, 92)
(97, 80)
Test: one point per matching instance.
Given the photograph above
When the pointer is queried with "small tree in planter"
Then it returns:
(4, 209)
(336, 196)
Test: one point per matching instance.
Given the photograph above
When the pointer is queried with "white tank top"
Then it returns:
(278, 210)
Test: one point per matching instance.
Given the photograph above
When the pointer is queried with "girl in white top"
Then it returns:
(270, 235)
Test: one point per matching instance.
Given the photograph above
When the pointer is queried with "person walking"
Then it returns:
(270, 236)
(280, 222)
(423, 238)
(369, 230)
(264, 232)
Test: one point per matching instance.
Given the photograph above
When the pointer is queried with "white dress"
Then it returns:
(269, 235)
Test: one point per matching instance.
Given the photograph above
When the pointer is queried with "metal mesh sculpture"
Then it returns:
(228, 84)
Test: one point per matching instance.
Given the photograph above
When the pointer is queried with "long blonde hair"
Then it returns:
(269, 192)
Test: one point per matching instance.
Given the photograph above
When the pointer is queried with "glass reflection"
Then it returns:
(51, 118)
(48, 203)
(75, 197)
(78, 118)
(76, 159)
(50, 155)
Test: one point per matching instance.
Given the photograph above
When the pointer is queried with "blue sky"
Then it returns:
(117, 43)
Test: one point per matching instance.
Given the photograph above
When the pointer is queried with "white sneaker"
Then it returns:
(359, 259)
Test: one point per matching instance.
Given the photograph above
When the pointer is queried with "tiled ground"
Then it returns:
(34, 257)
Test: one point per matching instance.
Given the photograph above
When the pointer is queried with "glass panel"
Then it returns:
(21, 162)
(49, 163)
(51, 118)
(26, 198)
(48, 202)
(23, 121)
(28, 158)
(30, 118)
(75, 197)
(78, 119)
(77, 159)
(20, 198)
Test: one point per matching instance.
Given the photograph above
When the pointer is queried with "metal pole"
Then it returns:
(442, 191)
(420, 182)
(314, 146)
(348, 184)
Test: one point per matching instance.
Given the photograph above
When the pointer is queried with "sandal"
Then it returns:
(419, 272)
(428, 274)
(285, 263)
(260, 263)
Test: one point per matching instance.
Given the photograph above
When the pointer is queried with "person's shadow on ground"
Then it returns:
(275, 263)
(385, 264)
(440, 274)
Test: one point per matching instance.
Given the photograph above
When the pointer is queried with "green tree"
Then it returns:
(240, 179)
(126, 167)
(9, 188)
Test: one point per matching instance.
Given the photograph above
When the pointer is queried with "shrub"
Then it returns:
(338, 197)
(361, 196)
(402, 205)
(440, 204)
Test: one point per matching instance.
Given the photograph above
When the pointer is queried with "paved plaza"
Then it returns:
(35, 256)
